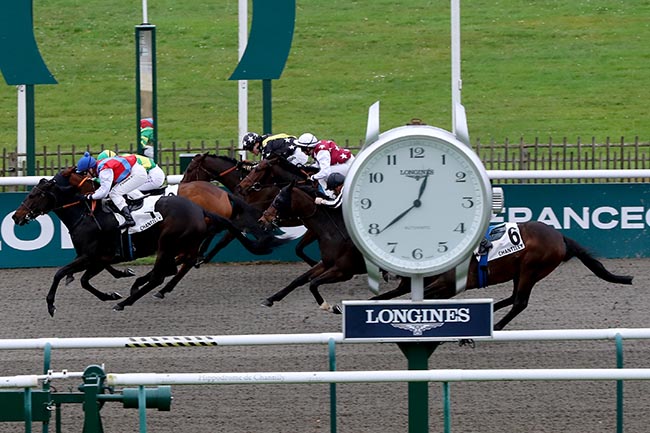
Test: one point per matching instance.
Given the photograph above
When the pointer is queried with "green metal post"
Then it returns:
(93, 382)
(332, 357)
(28, 409)
(447, 406)
(619, 385)
(47, 356)
(266, 106)
(417, 355)
(142, 408)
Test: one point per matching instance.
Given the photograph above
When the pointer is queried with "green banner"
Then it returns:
(611, 220)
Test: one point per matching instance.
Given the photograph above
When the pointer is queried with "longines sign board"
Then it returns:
(430, 320)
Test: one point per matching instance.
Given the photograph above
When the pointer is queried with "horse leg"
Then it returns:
(202, 249)
(302, 279)
(308, 238)
(332, 275)
(77, 265)
(521, 295)
(185, 268)
(153, 279)
(223, 242)
(116, 273)
(85, 283)
(510, 299)
(402, 289)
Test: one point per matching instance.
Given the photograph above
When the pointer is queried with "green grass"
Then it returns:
(529, 68)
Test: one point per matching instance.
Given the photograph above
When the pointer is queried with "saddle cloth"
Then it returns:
(505, 239)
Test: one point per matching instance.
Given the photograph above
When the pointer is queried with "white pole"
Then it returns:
(21, 147)
(243, 84)
(456, 82)
(145, 17)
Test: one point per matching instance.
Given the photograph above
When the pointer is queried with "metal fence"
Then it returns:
(520, 155)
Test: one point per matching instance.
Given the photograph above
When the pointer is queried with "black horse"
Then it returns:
(99, 242)
(340, 258)
(257, 184)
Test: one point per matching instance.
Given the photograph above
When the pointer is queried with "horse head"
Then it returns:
(253, 181)
(48, 195)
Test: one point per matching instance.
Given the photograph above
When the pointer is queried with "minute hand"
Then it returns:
(416, 203)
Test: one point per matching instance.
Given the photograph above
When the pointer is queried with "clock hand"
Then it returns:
(397, 218)
(423, 186)
(416, 203)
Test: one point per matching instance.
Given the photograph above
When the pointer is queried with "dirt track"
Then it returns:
(224, 300)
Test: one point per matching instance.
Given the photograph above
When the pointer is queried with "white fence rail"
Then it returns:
(492, 174)
(314, 338)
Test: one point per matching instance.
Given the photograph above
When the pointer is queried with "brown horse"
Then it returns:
(230, 173)
(340, 259)
(97, 239)
(545, 249)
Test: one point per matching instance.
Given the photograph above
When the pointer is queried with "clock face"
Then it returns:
(417, 201)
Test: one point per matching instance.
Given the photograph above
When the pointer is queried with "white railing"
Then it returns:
(492, 174)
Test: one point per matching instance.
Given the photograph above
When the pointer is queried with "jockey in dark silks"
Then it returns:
(269, 145)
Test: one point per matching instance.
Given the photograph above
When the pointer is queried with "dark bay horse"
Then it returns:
(340, 258)
(545, 249)
(230, 172)
(97, 239)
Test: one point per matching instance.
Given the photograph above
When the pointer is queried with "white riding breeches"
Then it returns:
(137, 177)
(155, 179)
(336, 168)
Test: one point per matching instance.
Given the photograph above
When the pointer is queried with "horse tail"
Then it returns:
(574, 249)
(217, 223)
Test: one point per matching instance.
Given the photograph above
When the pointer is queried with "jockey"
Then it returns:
(117, 175)
(330, 158)
(277, 144)
(335, 184)
(146, 132)
(155, 175)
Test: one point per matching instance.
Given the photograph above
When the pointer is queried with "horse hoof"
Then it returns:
(199, 262)
(129, 272)
(337, 310)
(51, 309)
(68, 279)
(267, 303)
(159, 295)
(118, 307)
(115, 296)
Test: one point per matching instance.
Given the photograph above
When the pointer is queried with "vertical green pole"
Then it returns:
(332, 358)
(266, 106)
(142, 408)
(47, 356)
(27, 401)
(417, 355)
(446, 406)
(619, 385)
(30, 130)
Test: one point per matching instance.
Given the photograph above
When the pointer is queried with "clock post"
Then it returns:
(417, 203)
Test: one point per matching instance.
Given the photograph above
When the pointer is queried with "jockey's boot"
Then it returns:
(128, 219)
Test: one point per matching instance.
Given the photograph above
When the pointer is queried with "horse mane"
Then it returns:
(292, 168)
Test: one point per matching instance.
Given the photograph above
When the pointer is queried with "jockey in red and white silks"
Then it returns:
(330, 158)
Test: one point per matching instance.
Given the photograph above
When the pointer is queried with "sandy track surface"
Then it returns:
(223, 299)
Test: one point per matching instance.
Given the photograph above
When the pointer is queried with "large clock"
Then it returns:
(417, 201)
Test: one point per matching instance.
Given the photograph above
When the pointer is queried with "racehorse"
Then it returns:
(97, 240)
(230, 173)
(340, 258)
(545, 249)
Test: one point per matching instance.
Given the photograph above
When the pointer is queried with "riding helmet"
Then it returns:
(106, 154)
(307, 140)
(146, 123)
(334, 180)
(85, 163)
(249, 140)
